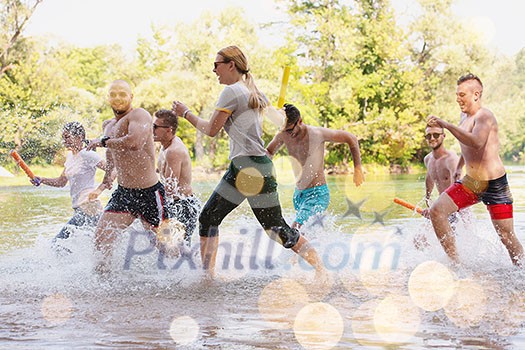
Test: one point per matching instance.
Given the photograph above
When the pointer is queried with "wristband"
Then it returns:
(185, 112)
(103, 141)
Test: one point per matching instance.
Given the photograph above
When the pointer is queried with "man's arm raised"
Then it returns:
(477, 138)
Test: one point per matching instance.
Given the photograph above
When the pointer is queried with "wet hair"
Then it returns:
(468, 77)
(233, 54)
(292, 114)
(170, 117)
(76, 129)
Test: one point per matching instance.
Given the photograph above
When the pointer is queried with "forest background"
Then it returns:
(353, 67)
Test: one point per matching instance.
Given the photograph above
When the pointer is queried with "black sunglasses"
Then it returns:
(216, 64)
(433, 135)
(155, 126)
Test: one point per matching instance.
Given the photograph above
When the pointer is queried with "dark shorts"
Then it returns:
(495, 194)
(186, 211)
(144, 203)
(80, 219)
(251, 178)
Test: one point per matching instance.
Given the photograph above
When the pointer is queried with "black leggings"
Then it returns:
(252, 178)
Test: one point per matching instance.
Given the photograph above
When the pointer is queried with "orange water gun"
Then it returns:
(408, 205)
(24, 166)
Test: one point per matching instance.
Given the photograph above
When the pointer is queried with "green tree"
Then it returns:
(14, 15)
(192, 79)
(504, 94)
(444, 48)
(357, 76)
(154, 56)
(28, 93)
(49, 86)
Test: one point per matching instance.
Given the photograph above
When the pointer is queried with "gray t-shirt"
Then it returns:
(244, 126)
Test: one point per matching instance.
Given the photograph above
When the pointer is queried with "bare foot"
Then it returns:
(320, 286)
(208, 278)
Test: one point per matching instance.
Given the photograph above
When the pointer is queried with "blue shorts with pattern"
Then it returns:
(310, 201)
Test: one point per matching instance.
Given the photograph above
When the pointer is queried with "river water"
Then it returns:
(382, 292)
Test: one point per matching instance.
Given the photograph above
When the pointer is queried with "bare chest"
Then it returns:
(439, 170)
(467, 123)
(306, 149)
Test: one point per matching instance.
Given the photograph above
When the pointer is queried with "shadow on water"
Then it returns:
(381, 291)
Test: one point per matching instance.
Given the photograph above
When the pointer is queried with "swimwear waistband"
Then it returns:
(148, 189)
(313, 188)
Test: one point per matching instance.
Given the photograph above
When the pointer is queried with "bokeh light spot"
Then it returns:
(56, 308)
(318, 326)
(396, 318)
(431, 285)
(467, 306)
(287, 169)
(281, 300)
(249, 181)
(184, 330)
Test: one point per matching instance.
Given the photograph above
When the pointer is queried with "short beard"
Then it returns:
(118, 112)
(436, 147)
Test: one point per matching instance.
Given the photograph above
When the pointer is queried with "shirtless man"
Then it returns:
(441, 164)
(131, 152)
(485, 178)
(306, 144)
(442, 170)
(174, 167)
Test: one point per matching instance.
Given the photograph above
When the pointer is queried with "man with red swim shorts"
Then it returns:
(485, 178)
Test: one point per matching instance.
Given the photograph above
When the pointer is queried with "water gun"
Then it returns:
(24, 166)
(408, 205)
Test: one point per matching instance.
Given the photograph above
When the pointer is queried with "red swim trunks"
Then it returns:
(495, 194)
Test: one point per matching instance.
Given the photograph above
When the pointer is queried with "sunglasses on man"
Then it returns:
(434, 135)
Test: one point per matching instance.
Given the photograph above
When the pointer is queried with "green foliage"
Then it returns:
(14, 16)
(47, 88)
(356, 77)
(352, 68)
(504, 94)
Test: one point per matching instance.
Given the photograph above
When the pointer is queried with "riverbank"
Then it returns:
(200, 172)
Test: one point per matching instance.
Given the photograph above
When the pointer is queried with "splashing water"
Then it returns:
(381, 290)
